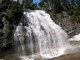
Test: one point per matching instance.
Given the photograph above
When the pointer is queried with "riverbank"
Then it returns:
(72, 56)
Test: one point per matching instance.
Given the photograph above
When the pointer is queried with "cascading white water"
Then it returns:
(37, 34)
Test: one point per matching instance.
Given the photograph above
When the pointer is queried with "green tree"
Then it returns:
(26, 3)
(78, 2)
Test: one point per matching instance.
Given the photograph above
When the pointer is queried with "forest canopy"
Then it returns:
(12, 7)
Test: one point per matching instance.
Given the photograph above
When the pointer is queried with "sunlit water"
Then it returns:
(38, 36)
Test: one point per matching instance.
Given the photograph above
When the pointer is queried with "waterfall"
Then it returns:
(38, 35)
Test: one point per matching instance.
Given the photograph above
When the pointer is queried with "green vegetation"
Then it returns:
(13, 10)
(72, 7)
(10, 13)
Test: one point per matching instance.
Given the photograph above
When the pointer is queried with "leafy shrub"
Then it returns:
(75, 19)
(9, 13)
(70, 12)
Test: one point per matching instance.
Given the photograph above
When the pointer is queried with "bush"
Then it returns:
(70, 12)
(9, 13)
(75, 19)
(14, 13)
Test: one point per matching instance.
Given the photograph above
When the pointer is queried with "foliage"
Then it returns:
(70, 12)
(76, 19)
(72, 7)
(9, 13)
(12, 11)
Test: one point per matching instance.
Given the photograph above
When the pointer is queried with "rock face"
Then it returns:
(37, 34)
(75, 38)
(73, 56)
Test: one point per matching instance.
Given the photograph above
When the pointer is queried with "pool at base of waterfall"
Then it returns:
(49, 55)
(62, 52)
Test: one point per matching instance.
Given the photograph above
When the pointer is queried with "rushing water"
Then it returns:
(38, 35)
